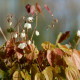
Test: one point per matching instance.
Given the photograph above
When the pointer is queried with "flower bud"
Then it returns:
(29, 42)
(15, 35)
(78, 33)
(37, 33)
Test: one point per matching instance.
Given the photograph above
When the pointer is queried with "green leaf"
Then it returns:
(39, 76)
(48, 73)
(3, 66)
(47, 45)
(62, 37)
(34, 70)
(4, 75)
(17, 75)
(25, 75)
(13, 69)
(63, 48)
(72, 73)
(10, 30)
(58, 38)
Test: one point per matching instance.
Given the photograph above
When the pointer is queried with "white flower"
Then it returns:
(27, 25)
(68, 45)
(23, 31)
(30, 19)
(10, 23)
(15, 35)
(29, 42)
(23, 17)
(23, 35)
(37, 33)
(78, 33)
(22, 45)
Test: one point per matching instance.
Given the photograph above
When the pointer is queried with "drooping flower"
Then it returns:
(22, 45)
(37, 33)
(78, 33)
(30, 19)
(29, 42)
(15, 35)
(23, 34)
(27, 25)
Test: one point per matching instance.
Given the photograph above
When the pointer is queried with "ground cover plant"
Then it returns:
(20, 59)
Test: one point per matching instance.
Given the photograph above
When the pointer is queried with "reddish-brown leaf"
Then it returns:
(10, 52)
(76, 58)
(10, 47)
(38, 7)
(58, 51)
(41, 57)
(19, 52)
(32, 11)
(28, 8)
(50, 57)
(29, 58)
(64, 36)
(19, 55)
(47, 8)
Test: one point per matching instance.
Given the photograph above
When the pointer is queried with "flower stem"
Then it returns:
(50, 34)
(3, 34)
(34, 27)
(77, 44)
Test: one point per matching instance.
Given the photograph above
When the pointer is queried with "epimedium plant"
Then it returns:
(20, 59)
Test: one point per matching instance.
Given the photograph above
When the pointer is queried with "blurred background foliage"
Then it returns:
(66, 11)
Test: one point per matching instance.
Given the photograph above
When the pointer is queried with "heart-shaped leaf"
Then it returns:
(64, 36)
